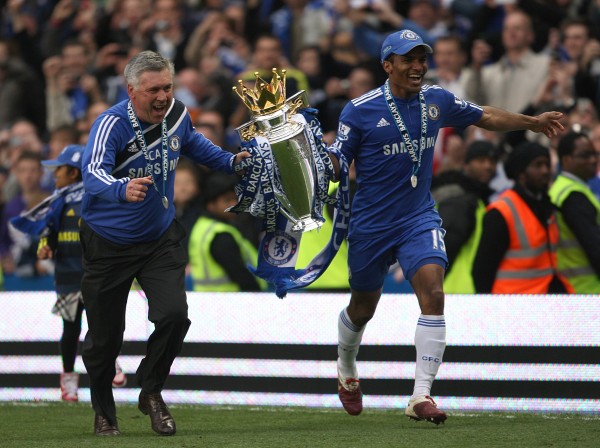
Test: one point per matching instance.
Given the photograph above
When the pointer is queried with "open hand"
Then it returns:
(549, 124)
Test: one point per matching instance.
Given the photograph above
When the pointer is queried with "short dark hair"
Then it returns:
(218, 184)
(575, 21)
(72, 169)
(30, 155)
(460, 43)
(566, 144)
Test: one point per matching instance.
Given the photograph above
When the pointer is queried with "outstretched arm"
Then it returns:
(495, 119)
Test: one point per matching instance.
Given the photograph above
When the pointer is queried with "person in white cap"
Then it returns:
(390, 134)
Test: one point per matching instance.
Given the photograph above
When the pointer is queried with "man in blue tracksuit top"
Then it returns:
(128, 232)
(390, 134)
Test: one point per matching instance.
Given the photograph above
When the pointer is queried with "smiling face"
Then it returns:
(406, 72)
(153, 95)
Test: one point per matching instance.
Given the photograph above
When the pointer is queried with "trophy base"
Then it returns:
(305, 225)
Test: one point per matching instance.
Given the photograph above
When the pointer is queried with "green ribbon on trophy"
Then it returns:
(286, 182)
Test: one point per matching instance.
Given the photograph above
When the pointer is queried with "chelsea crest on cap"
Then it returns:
(401, 42)
(70, 155)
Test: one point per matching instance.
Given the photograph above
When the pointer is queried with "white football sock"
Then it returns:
(430, 342)
(349, 337)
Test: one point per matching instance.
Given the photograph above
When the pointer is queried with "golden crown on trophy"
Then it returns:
(265, 97)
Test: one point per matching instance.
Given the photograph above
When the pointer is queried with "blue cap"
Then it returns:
(401, 42)
(70, 155)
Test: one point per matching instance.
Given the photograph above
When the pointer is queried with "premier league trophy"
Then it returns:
(272, 118)
(286, 181)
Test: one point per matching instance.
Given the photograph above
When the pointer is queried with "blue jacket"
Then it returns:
(112, 158)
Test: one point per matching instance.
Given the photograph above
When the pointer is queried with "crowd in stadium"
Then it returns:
(61, 65)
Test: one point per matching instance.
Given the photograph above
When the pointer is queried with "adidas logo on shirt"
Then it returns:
(383, 122)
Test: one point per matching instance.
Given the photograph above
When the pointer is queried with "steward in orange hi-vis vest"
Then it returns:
(530, 262)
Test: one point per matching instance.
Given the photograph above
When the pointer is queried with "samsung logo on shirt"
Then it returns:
(399, 148)
(155, 169)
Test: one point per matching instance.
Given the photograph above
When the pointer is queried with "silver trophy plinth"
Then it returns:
(292, 154)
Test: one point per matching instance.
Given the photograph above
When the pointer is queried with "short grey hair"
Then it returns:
(146, 61)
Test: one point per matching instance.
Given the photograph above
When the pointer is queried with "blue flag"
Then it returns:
(48, 212)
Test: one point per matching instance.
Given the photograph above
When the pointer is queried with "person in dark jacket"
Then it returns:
(219, 253)
(461, 198)
(578, 213)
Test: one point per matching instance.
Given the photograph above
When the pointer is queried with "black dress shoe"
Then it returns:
(103, 427)
(160, 417)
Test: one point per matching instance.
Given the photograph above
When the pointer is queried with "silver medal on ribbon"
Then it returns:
(413, 180)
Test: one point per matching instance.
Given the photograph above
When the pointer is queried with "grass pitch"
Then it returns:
(64, 425)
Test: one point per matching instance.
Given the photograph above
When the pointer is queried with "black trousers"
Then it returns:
(109, 271)
(69, 341)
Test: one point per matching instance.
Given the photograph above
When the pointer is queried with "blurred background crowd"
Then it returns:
(61, 64)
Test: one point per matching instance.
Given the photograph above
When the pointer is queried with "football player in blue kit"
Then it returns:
(128, 232)
(390, 134)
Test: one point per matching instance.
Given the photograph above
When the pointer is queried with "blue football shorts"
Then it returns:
(369, 260)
